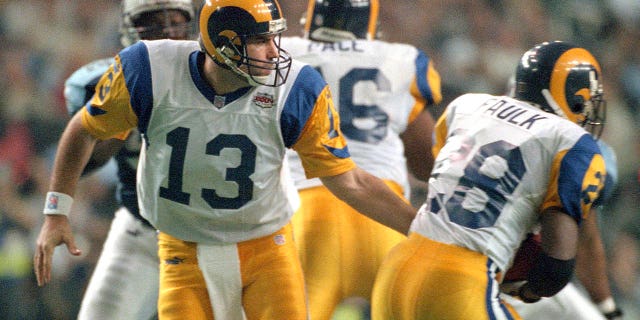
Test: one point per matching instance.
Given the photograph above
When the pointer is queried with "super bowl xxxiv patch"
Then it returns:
(264, 100)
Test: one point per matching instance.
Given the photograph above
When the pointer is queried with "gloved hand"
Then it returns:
(511, 287)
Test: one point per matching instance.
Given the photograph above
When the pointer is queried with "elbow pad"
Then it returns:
(549, 275)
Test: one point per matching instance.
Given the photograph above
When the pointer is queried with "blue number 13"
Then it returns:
(178, 140)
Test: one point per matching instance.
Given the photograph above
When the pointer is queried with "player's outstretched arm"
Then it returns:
(371, 197)
(74, 150)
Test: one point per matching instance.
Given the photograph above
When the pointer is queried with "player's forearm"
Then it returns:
(102, 153)
(591, 261)
(555, 265)
(371, 197)
(417, 140)
(74, 149)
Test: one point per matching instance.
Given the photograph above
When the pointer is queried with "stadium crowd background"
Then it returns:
(474, 44)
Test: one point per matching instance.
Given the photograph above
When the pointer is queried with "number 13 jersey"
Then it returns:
(211, 166)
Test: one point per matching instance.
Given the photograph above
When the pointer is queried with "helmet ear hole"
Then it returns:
(228, 43)
(227, 46)
(576, 104)
(577, 107)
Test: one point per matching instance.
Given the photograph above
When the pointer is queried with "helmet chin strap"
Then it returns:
(552, 103)
(233, 66)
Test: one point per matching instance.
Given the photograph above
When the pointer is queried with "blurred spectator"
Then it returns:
(16, 275)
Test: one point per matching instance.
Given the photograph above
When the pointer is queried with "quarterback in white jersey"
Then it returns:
(216, 116)
(503, 165)
(382, 90)
(124, 283)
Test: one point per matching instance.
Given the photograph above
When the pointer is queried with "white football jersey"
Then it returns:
(377, 88)
(500, 163)
(211, 166)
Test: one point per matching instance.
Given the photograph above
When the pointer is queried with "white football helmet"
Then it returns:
(133, 30)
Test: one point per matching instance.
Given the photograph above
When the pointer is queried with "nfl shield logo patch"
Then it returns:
(218, 101)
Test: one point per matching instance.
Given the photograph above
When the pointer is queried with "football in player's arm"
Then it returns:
(502, 166)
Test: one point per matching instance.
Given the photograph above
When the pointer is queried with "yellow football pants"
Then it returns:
(422, 279)
(261, 278)
(340, 249)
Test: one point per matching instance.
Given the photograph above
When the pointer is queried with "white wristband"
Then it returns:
(58, 203)
(607, 305)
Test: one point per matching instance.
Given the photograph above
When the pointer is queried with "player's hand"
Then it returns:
(526, 295)
(55, 231)
(511, 287)
(520, 290)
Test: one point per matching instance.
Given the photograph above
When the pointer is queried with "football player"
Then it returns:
(124, 284)
(216, 117)
(531, 161)
(570, 302)
(382, 90)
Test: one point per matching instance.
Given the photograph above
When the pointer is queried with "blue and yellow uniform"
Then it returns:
(211, 176)
(571, 302)
(500, 163)
(379, 96)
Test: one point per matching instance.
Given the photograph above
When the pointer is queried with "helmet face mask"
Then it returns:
(156, 19)
(563, 79)
(150, 28)
(229, 27)
(338, 20)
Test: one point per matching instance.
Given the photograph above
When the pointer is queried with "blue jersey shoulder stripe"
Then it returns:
(422, 65)
(300, 103)
(137, 74)
(196, 76)
(573, 167)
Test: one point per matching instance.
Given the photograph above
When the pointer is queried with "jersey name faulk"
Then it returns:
(335, 46)
(512, 113)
